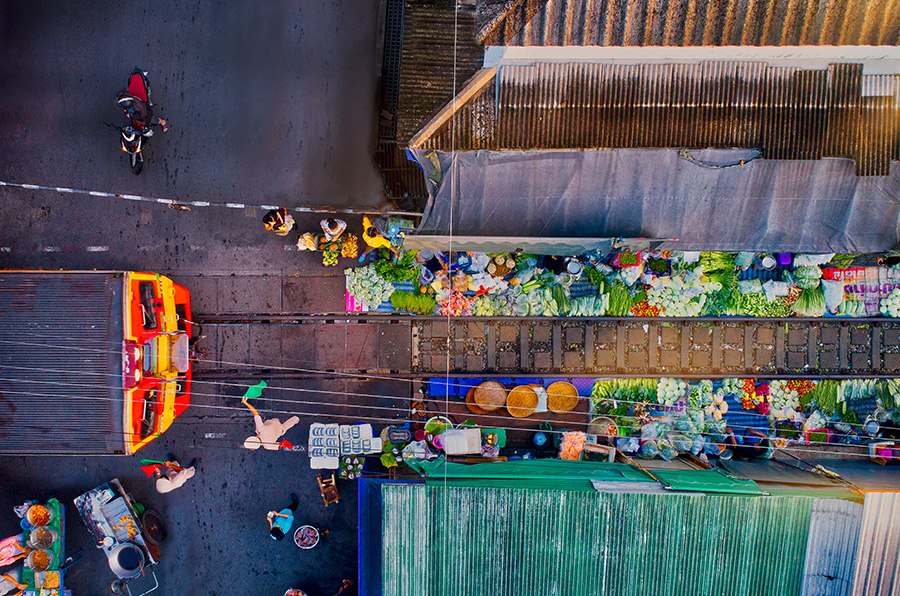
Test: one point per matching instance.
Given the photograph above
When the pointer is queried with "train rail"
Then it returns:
(297, 346)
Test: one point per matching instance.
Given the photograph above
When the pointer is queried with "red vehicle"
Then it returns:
(91, 362)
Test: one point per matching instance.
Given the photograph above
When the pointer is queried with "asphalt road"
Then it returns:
(269, 103)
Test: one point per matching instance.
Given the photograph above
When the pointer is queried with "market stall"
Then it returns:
(40, 548)
(624, 283)
(746, 417)
(125, 532)
(471, 419)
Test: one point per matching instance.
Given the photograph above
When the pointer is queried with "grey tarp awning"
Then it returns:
(817, 206)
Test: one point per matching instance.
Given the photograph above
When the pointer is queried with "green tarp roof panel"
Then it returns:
(706, 481)
(532, 473)
(513, 542)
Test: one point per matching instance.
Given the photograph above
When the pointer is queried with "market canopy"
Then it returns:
(701, 200)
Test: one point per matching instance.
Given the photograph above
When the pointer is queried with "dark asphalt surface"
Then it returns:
(270, 103)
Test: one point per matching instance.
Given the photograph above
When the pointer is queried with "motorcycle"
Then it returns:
(135, 101)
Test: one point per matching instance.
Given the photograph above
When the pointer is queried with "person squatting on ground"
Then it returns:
(280, 522)
(333, 228)
(279, 221)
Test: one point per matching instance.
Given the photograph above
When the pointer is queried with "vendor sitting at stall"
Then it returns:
(333, 228)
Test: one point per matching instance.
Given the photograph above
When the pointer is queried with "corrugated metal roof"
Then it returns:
(431, 33)
(878, 559)
(693, 22)
(514, 541)
(831, 549)
(786, 112)
(61, 362)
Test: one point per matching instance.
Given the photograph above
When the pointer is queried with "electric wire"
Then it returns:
(345, 393)
(395, 419)
(342, 393)
(446, 383)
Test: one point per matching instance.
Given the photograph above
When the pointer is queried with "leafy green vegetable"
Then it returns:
(713, 261)
(810, 303)
(842, 260)
(658, 265)
(595, 278)
(726, 301)
(756, 305)
(825, 395)
(807, 277)
(405, 269)
(420, 304)
(620, 301)
(728, 279)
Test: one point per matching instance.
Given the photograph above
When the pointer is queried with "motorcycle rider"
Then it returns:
(140, 113)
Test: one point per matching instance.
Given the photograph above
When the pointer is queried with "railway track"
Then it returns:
(296, 346)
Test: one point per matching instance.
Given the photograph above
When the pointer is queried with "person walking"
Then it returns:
(279, 221)
(333, 228)
(268, 432)
(280, 522)
(170, 475)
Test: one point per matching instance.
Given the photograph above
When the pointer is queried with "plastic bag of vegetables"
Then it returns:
(807, 277)
(890, 305)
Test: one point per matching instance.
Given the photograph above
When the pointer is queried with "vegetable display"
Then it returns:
(891, 305)
(416, 303)
(789, 412)
(622, 284)
(367, 286)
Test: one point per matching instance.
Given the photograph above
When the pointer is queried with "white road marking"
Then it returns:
(235, 205)
(290, 247)
(98, 249)
(62, 189)
(199, 203)
(269, 207)
(51, 249)
(31, 186)
(148, 248)
(132, 197)
(5, 249)
(195, 247)
(97, 193)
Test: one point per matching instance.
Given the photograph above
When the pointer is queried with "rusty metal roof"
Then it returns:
(787, 112)
(691, 22)
(431, 33)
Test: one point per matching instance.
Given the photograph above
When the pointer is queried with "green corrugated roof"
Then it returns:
(534, 473)
(707, 481)
(510, 541)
